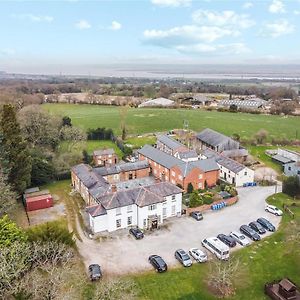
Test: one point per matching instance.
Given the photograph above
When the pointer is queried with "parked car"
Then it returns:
(266, 224)
(158, 263)
(249, 232)
(273, 210)
(199, 255)
(240, 238)
(257, 227)
(95, 272)
(197, 215)
(227, 240)
(137, 233)
(183, 257)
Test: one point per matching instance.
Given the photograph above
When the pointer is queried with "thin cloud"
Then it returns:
(115, 25)
(171, 3)
(248, 5)
(83, 24)
(224, 18)
(277, 7)
(34, 18)
(277, 29)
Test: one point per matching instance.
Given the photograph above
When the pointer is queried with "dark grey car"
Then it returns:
(197, 215)
(249, 232)
(95, 272)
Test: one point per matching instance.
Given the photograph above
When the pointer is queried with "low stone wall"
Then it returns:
(205, 207)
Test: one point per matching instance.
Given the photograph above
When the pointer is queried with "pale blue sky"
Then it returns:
(70, 33)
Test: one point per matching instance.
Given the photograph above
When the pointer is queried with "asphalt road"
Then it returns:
(123, 254)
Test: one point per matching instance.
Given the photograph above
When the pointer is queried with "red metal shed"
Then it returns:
(39, 202)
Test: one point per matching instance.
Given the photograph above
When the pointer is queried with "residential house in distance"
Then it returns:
(169, 168)
(173, 147)
(231, 171)
(105, 157)
(146, 207)
(221, 143)
(124, 171)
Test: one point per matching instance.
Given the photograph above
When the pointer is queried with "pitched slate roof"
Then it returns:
(224, 161)
(282, 159)
(96, 184)
(169, 142)
(96, 210)
(188, 154)
(109, 151)
(169, 161)
(142, 196)
(162, 158)
(124, 167)
(213, 138)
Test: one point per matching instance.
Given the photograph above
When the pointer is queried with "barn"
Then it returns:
(38, 202)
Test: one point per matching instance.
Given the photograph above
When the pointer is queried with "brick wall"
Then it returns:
(205, 207)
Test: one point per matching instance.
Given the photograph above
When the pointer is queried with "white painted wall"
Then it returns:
(139, 214)
(238, 179)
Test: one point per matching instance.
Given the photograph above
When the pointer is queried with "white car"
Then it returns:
(273, 210)
(240, 238)
(198, 255)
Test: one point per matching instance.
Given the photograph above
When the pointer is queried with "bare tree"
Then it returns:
(7, 196)
(261, 136)
(221, 276)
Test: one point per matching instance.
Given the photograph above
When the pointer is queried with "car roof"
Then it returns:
(181, 251)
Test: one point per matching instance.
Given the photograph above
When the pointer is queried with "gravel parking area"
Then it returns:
(123, 254)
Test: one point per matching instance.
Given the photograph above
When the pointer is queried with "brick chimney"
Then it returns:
(113, 188)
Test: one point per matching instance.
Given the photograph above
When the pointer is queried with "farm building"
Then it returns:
(252, 103)
(36, 199)
(158, 102)
(146, 207)
(105, 157)
(214, 140)
(231, 171)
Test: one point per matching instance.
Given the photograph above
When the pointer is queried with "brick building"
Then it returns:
(105, 157)
(124, 171)
(166, 167)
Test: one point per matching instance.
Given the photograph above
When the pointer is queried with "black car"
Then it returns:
(95, 272)
(137, 233)
(249, 232)
(197, 215)
(266, 224)
(158, 263)
(257, 227)
(226, 239)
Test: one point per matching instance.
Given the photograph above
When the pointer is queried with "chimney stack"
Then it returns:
(113, 188)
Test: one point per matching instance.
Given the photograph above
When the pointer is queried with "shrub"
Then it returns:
(195, 199)
(51, 232)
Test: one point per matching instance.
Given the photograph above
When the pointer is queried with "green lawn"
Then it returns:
(154, 120)
(268, 260)
(258, 152)
(89, 146)
(138, 142)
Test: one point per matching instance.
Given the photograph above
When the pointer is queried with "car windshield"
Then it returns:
(185, 257)
(225, 252)
(241, 237)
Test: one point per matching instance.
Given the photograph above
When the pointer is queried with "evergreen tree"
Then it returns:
(16, 157)
(190, 188)
(195, 199)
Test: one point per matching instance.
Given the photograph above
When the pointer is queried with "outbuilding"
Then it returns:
(38, 202)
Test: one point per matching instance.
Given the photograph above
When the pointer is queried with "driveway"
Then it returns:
(123, 254)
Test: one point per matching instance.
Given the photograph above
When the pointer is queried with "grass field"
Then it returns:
(89, 146)
(140, 121)
(268, 260)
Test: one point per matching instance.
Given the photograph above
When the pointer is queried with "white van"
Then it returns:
(215, 246)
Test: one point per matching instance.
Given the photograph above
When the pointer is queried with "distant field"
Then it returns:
(146, 120)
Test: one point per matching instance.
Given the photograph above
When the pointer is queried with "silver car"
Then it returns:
(240, 238)
(199, 255)
(183, 258)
